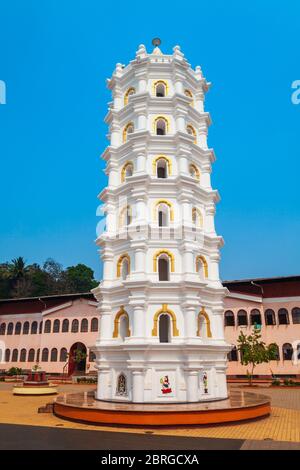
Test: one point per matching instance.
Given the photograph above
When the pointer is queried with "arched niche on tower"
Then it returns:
(194, 171)
(123, 266)
(125, 216)
(165, 311)
(121, 324)
(163, 255)
(203, 327)
(129, 92)
(162, 166)
(191, 131)
(163, 212)
(197, 217)
(190, 95)
(160, 88)
(127, 170)
(128, 129)
(202, 266)
(161, 125)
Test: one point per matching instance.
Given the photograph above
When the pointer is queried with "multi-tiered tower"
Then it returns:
(160, 301)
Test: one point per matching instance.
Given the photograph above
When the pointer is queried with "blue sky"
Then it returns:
(55, 57)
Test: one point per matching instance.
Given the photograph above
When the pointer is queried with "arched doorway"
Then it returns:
(77, 359)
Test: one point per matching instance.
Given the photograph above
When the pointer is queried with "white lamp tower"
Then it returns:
(161, 300)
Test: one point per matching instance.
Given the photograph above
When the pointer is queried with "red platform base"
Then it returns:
(241, 405)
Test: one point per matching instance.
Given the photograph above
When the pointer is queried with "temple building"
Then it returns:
(48, 329)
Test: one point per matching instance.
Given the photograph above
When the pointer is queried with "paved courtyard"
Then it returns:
(19, 417)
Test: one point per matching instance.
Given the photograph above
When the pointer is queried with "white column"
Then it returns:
(118, 99)
(142, 122)
(142, 84)
(213, 268)
(180, 122)
(202, 137)
(111, 222)
(190, 322)
(205, 176)
(115, 135)
(192, 385)
(183, 164)
(138, 321)
(188, 258)
(178, 86)
(221, 379)
(140, 163)
(108, 267)
(105, 323)
(199, 102)
(103, 378)
(137, 385)
(140, 258)
(210, 219)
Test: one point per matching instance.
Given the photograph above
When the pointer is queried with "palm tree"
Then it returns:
(18, 268)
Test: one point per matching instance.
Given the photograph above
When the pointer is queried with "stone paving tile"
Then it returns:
(270, 445)
(283, 424)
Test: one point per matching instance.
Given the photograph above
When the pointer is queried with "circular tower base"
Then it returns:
(239, 406)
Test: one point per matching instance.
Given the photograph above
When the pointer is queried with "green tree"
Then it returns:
(253, 351)
(5, 281)
(79, 278)
(18, 268)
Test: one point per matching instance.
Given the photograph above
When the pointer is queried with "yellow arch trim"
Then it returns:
(164, 118)
(165, 310)
(120, 261)
(160, 82)
(129, 92)
(122, 215)
(193, 132)
(163, 252)
(203, 261)
(123, 171)
(195, 212)
(208, 329)
(125, 130)
(190, 95)
(168, 203)
(117, 319)
(196, 170)
(162, 157)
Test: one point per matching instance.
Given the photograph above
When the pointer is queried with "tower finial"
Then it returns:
(156, 42)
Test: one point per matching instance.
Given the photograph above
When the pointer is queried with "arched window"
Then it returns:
(125, 217)
(270, 317)
(94, 324)
(163, 212)
(283, 316)
(63, 356)
(126, 171)
(161, 126)
(117, 324)
(191, 131)
(2, 328)
(202, 266)
(229, 318)
(163, 260)
(56, 326)
(84, 327)
(232, 356)
(31, 354)
(162, 166)
(197, 217)
(14, 357)
(163, 268)
(128, 129)
(10, 328)
(160, 88)
(296, 315)
(38, 355)
(18, 328)
(194, 171)
(23, 355)
(41, 327)
(47, 328)
(53, 356)
(34, 328)
(156, 328)
(45, 355)
(129, 92)
(242, 318)
(7, 355)
(255, 317)
(287, 352)
(204, 330)
(65, 326)
(189, 94)
(123, 266)
(121, 388)
(75, 326)
(26, 328)
(276, 351)
(164, 324)
(123, 328)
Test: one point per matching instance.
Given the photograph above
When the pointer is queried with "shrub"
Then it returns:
(276, 382)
